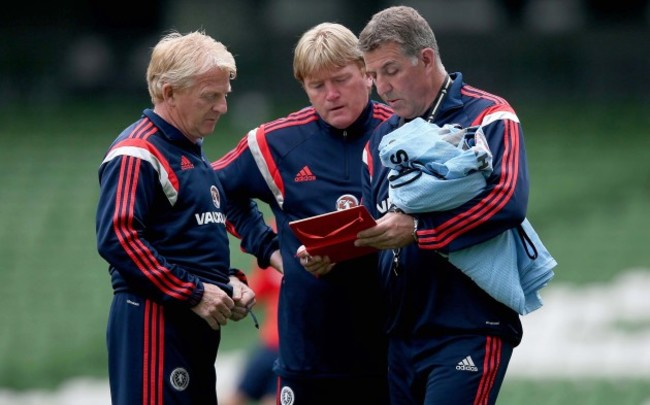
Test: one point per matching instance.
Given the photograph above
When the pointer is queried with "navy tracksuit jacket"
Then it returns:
(330, 326)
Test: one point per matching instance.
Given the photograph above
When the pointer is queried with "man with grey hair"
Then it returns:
(161, 227)
(450, 342)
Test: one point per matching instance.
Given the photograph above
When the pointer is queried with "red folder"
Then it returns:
(333, 234)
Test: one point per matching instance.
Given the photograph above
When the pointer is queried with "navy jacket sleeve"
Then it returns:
(243, 182)
(246, 222)
(127, 187)
(502, 205)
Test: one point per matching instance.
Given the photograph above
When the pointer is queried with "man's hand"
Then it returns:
(243, 297)
(315, 265)
(394, 230)
(215, 306)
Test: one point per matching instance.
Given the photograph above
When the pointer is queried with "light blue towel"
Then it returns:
(502, 267)
(437, 169)
(449, 147)
(448, 162)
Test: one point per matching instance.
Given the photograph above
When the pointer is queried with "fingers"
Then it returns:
(238, 314)
(316, 265)
(322, 270)
(393, 230)
(302, 251)
(242, 307)
(306, 261)
(215, 306)
(216, 320)
(244, 301)
(221, 315)
(243, 296)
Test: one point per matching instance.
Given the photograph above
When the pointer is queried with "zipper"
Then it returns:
(347, 158)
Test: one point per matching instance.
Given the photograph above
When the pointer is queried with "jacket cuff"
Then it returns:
(197, 294)
(241, 276)
(264, 260)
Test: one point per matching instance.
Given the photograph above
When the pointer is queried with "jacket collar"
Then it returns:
(357, 128)
(168, 130)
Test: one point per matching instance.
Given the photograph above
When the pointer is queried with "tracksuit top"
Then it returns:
(427, 295)
(161, 216)
(330, 326)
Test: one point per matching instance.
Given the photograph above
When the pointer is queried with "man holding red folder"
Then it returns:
(450, 342)
(332, 344)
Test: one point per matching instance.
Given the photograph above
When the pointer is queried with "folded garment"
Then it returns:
(418, 191)
(447, 152)
(512, 267)
(438, 169)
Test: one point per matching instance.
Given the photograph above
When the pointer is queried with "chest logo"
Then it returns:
(186, 164)
(216, 198)
(304, 174)
(346, 201)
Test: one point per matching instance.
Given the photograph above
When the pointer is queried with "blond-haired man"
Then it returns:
(332, 347)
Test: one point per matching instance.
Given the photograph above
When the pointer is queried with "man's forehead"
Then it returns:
(373, 64)
(331, 71)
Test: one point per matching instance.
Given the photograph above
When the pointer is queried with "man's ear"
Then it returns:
(428, 57)
(168, 93)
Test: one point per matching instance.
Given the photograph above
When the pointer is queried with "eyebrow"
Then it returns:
(383, 67)
(389, 64)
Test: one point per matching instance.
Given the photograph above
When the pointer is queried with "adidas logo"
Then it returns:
(304, 174)
(467, 364)
(186, 164)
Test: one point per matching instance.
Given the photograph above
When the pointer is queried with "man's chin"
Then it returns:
(340, 122)
(208, 129)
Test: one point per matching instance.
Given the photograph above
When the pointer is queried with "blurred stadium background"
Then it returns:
(576, 71)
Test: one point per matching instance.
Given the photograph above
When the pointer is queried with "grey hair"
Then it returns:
(402, 25)
(178, 59)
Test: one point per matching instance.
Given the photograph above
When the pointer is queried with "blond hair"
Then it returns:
(178, 58)
(325, 46)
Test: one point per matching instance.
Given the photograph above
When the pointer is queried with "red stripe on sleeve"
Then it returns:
(232, 155)
(381, 112)
(128, 237)
(301, 117)
(143, 144)
(489, 205)
(268, 158)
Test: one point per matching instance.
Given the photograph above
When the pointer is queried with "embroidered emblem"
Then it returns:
(216, 198)
(180, 379)
(286, 396)
(346, 201)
